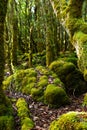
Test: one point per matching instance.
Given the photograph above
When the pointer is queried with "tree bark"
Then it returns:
(3, 9)
(70, 16)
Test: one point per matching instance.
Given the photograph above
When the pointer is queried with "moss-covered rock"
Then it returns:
(69, 75)
(37, 93)
(24, 114)
(43, 81)
(75, 83)
(62, 68)
(55, 96)
(70, 121)
(23, 110)
(33, 81)
(27, 124)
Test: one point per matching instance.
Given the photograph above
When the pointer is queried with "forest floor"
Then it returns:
(41, 114)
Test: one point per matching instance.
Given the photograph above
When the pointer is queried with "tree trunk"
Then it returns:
(71, 18)
(3, 9)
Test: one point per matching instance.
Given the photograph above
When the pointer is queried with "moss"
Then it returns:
(80, 40)
(55, 96)
(5, 106)
(85, 100)
(24, 113)
(22, 108)
(31, 72)
(31, 79)
(7, 82)
(68, 56)
(6, 123)
(43, 70)
(70, 121)
(75, 83)
(28, 87)
(85, 74)
(27, 124)
(43, 81)
(58, 82)
(62, 69)
(37, 93)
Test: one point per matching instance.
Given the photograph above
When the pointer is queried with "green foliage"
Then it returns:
(6, 123)
(55, 96)
(39, 58)
(70, 121)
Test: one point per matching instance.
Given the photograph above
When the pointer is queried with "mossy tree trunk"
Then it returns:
(71, 18)
(51, 33)
(15, 33)
(3, 10)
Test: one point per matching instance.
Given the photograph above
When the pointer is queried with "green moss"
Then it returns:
(39, 68)
(70, 121)
(31, 79)
(37, 93)
(75, 83)
(22, 108)
(43, 81)
(43, 70)
(80, 38)
(31, 72)
(28, 87)
(58, 82)
(83, 27)
(85, 74)
(6, 123)
(55, 96)
(85, 100)
(5, 107)
(27, 124)
(7, 82)
(62, 69)
(24, 113)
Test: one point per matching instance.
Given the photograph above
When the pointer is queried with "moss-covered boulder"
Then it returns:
(24, 114)
(70, 76)
(75, 83)
(62, 68)
(70, 121)
(55, 96)
(33, 81)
